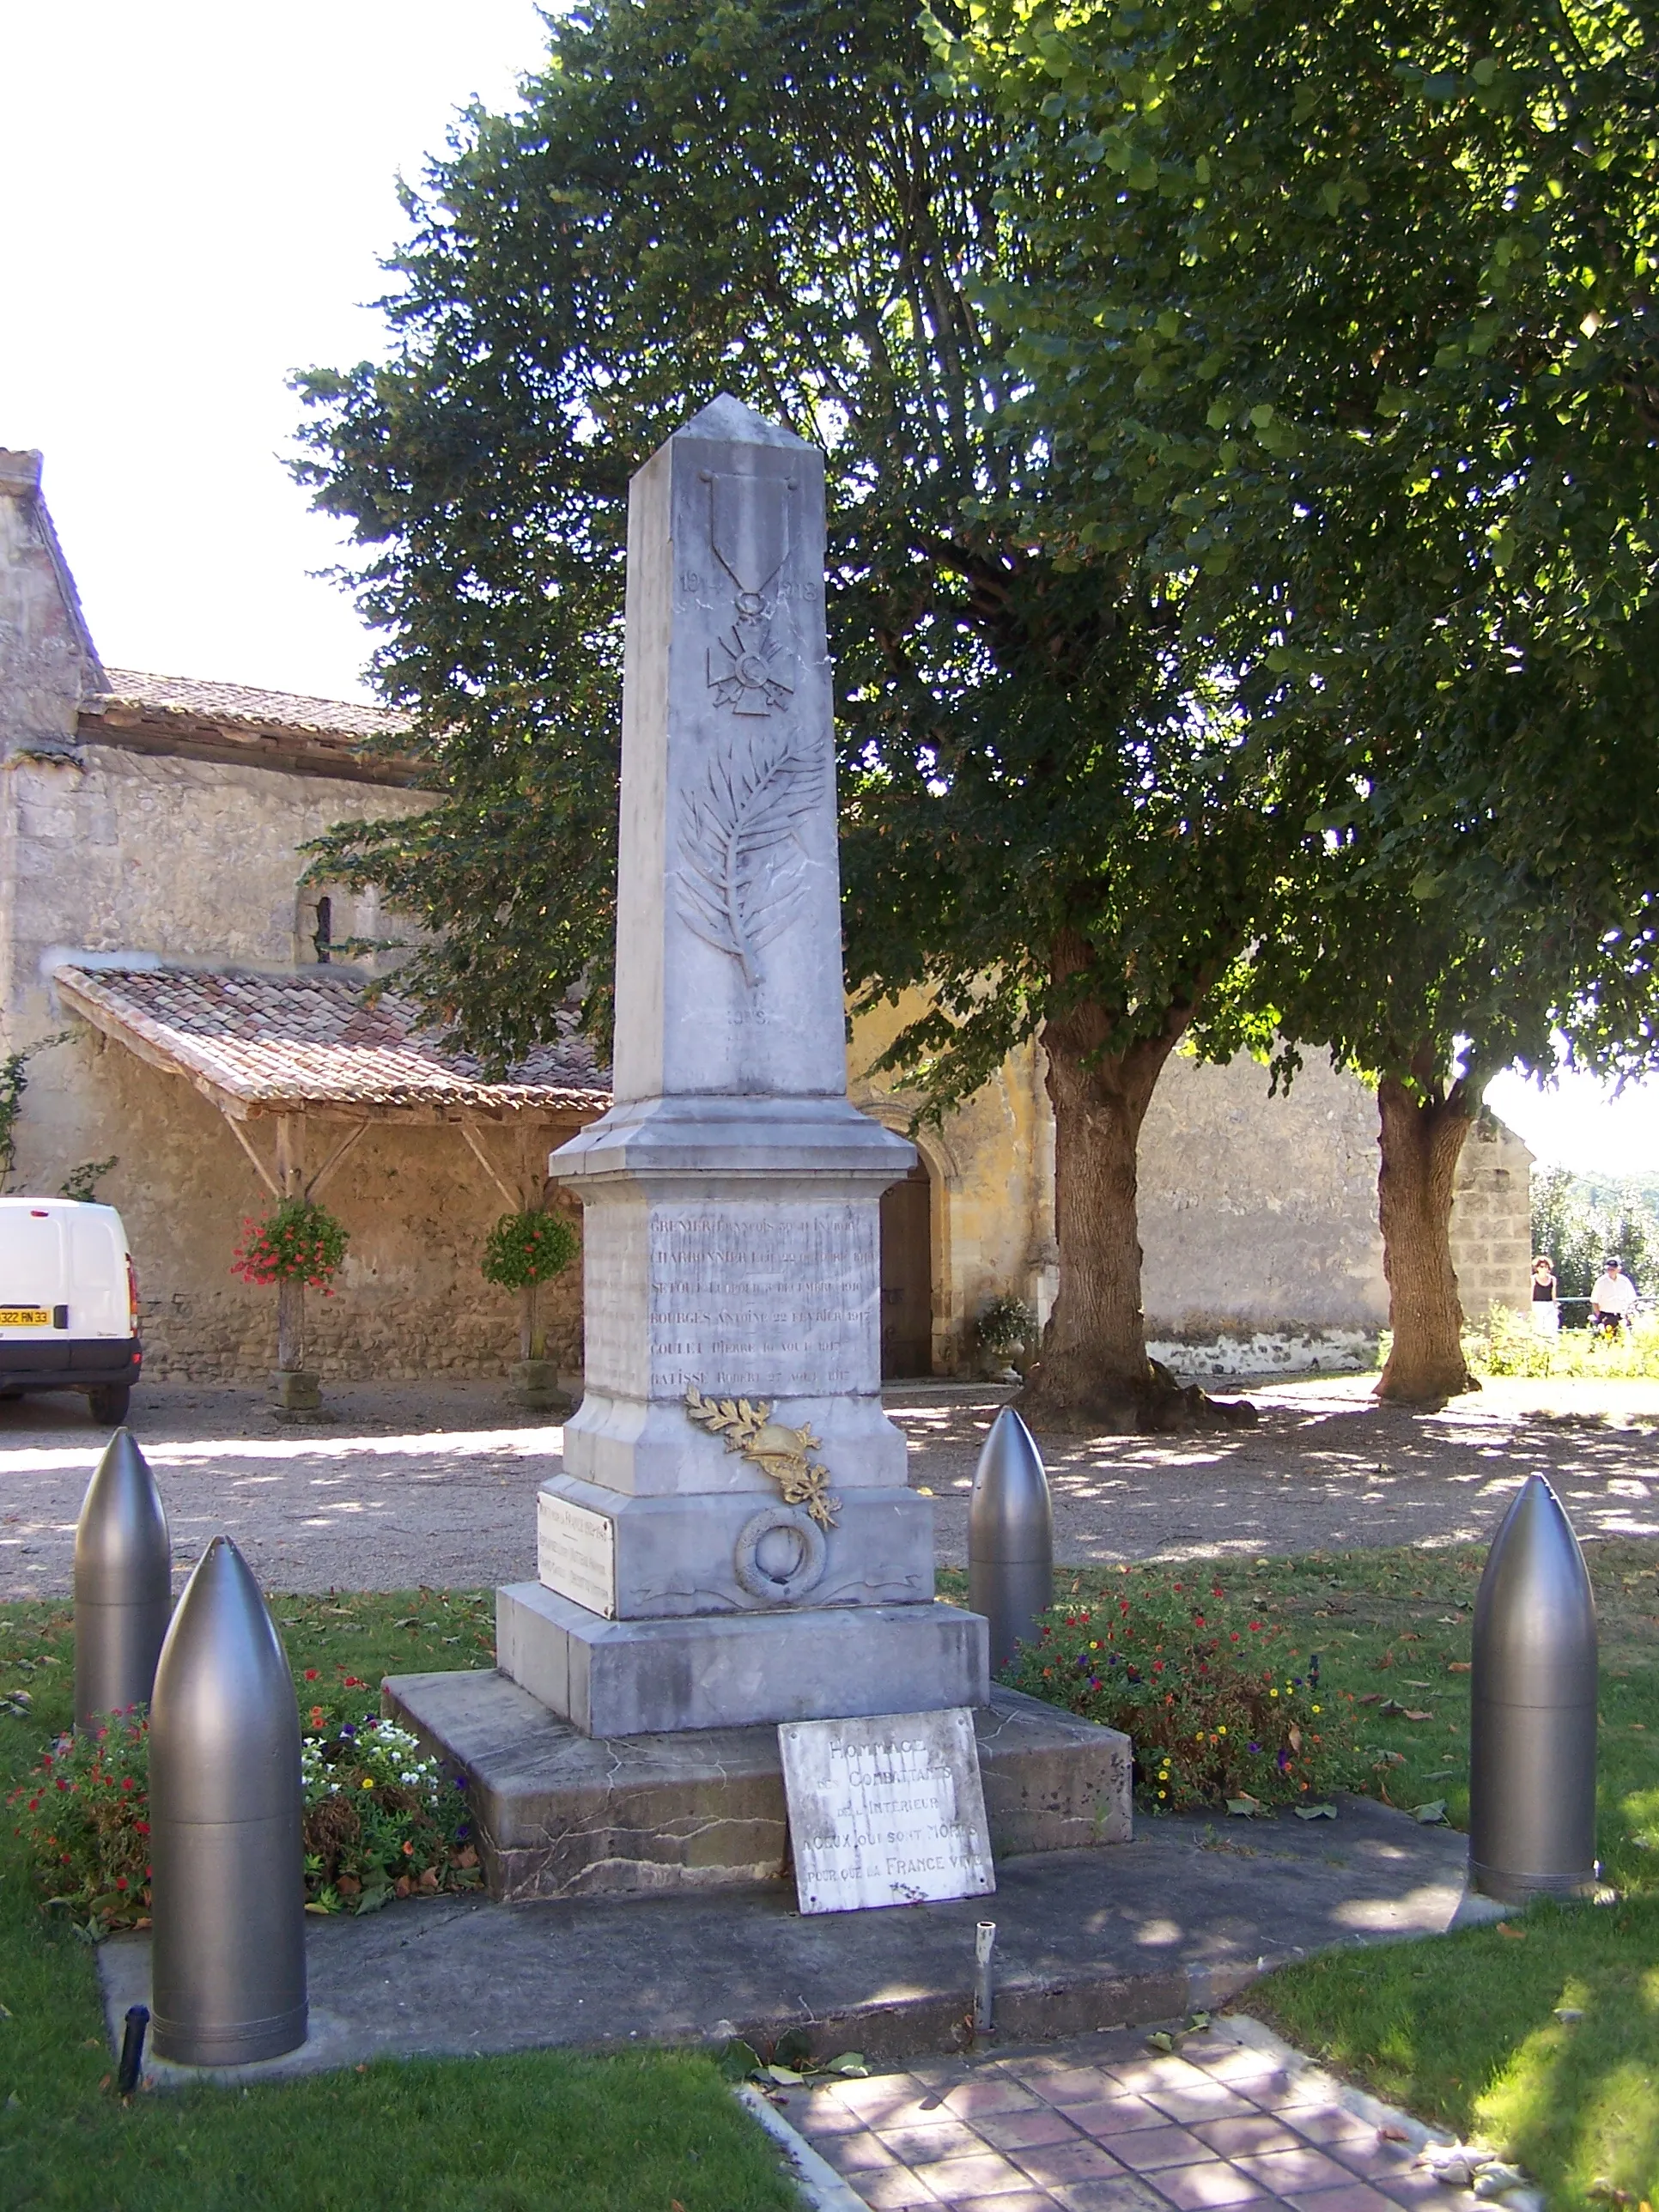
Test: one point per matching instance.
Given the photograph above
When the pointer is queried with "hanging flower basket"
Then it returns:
(300, 1243)
(524, 1250)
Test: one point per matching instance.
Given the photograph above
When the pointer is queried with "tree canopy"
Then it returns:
(1052, 816)
(1382, 279)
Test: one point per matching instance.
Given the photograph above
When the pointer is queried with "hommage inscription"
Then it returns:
(885, 1810)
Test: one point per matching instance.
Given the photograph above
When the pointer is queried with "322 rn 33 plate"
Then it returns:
(24, 1317)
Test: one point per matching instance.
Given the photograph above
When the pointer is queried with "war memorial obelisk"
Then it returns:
(731, 1539)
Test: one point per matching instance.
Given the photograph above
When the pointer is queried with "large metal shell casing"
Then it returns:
(1533, 1696)
(227, 1881)
(1011, 1537)
(123, 1583)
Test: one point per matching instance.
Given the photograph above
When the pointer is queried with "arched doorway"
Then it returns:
(907, 1276)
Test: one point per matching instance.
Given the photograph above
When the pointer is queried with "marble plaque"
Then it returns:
(769, 1302)
(576, 1554)
(886, 1810)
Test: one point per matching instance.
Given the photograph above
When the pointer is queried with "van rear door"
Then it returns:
(34, 1284)
(98, 1273)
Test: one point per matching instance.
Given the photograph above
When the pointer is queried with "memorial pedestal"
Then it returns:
(558, 1814)
(649, 1677)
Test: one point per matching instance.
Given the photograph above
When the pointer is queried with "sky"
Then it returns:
(199, 197)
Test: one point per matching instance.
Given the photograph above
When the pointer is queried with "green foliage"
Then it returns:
(1382, 281)
(14, 1082)
(81, 1183)
(527, 1248)
(83, 1815)
(300, 1241)
(379, 1819)
(783, 201)
(1007, 1325)
(1219, 1703)
(1578, 1220)
(1510, 1344)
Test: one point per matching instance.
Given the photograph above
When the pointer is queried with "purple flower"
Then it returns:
(346, 1729)
(1253, 1747)
(1282, 1760)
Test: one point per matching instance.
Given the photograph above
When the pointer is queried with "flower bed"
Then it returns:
(380, 1820)
(1220, 1704)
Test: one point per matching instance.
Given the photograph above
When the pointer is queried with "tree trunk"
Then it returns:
(532, 1337)
(291, 1324)
(1092, 1370)
(1420, 1137)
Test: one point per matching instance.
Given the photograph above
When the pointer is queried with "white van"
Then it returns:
(69, 1303)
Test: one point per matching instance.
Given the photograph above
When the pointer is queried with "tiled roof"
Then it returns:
(193, 697)
(264, 1044)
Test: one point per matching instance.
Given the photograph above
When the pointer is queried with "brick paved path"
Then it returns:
(1106, 2124)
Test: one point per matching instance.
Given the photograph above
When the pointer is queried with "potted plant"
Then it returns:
(299, 1245)
(522, 1252)
(1003, 1336)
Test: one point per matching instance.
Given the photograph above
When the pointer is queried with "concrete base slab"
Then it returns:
(656, 1677)
(561, 1814)
(1187, 1914)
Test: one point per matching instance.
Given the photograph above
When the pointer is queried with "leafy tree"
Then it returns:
(1049, 827)
(1383, 276)
(1579, 1219)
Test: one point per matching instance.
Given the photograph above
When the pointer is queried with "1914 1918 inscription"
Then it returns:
(885, 1810)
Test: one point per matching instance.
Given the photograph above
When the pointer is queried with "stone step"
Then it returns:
(557, 1814)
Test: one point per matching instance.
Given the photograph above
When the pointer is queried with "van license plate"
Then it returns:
(24, 1317)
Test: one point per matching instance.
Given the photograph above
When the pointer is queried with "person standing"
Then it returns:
(1612, 1299)
(1546, 1297)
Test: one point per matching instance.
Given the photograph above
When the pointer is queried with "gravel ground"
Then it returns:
(411, 1485)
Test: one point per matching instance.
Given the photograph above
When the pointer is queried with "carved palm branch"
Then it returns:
(738, 887)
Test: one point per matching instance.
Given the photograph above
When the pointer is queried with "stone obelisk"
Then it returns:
(732, 1540)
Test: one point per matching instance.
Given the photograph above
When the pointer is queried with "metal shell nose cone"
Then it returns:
(1011, 1537)
(1533, 1709)
(1010, 1514)
(224, 1732)
(123, 1582)
(1535, 1640)
(227, 1960)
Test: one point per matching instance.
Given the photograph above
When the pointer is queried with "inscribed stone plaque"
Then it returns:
(885, 1810)
(576, 1554)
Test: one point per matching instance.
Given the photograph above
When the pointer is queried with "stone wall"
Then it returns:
(106, 850)
(410, 1300)
(1491, 1220)
(991, 1173)
(1258, 1219)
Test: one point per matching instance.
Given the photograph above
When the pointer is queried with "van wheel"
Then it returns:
(109, 1401)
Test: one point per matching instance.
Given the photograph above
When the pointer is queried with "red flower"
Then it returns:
(310, 1673)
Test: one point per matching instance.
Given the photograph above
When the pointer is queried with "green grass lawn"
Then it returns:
(543, 2131)
(1462, 2029)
